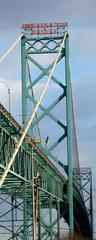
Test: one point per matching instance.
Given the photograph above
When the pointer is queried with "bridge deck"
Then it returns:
(50, 177)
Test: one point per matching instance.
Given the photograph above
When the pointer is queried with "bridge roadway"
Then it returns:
(52, 182)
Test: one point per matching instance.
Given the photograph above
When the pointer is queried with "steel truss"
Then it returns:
(83, 180)
(17, 223)
(16, 200)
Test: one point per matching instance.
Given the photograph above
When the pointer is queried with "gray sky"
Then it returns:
(81, 17)
(78, 13)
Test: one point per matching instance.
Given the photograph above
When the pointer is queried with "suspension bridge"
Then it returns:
(41, 182)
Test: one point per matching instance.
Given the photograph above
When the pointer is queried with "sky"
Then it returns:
(81, 18)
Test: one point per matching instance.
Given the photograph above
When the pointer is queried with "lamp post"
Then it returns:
(8, 92)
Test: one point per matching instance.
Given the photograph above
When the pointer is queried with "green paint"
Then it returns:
(25, 213)
(23, 71)
(29, 49)
(69, 136)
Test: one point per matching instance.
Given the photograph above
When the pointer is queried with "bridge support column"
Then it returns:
(91, 204)
(58, 219)
(37, 210)
(39, 222)
(50, 217)
(25, 214)
(12, 209)
(69, 136)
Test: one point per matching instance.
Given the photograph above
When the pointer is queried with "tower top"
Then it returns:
(45, 29)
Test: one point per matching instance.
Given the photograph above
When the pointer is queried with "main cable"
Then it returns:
(11, 48)
(29, 121)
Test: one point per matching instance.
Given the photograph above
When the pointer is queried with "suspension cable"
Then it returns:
(74, 121)
(11, 48)
(29, 121)
(75, 135)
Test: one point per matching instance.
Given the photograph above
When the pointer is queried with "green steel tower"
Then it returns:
(45, 40)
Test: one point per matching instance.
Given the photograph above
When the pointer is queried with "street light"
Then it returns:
(8, 92)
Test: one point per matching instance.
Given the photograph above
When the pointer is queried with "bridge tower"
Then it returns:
(39, 46)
